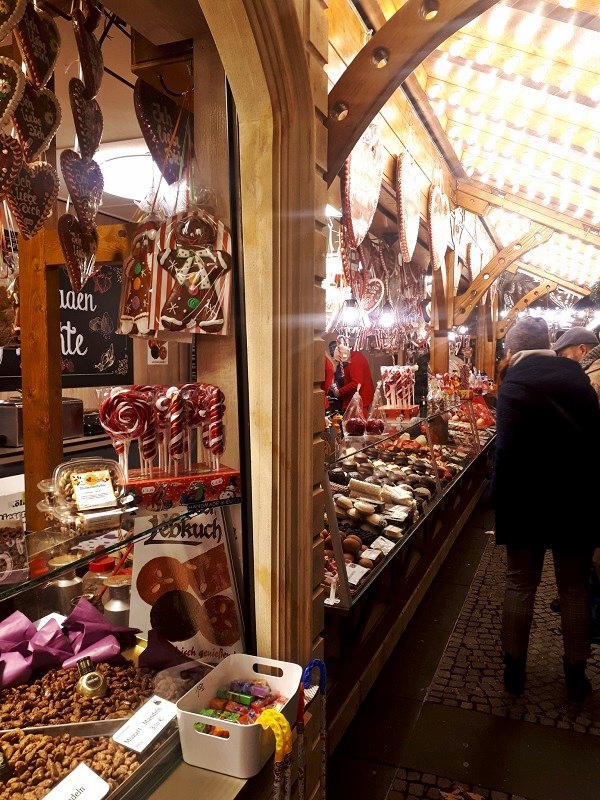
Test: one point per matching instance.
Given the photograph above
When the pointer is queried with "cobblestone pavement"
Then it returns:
(410, 784)
(469, 674)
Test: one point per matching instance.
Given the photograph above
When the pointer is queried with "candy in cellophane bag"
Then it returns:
(355, 423)
(376, 418)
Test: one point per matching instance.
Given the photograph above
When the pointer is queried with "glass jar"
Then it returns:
(64, 588)
(116, 608)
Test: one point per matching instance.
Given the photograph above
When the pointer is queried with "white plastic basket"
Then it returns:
(248, 747)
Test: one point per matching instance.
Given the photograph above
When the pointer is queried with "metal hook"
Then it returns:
(168, 91)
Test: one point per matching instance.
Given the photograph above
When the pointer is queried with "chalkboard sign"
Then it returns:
(92, 354)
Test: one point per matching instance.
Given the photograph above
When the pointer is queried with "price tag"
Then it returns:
(355, 572)
(81, 784)
(372, 553)
(145, 725)
(383, 544)
(93, 489)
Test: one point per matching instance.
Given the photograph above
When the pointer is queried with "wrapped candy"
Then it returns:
(355, 423)
(376, 420)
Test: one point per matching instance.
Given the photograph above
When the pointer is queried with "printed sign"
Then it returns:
(92, 353)
(82, 783)
(145, 725)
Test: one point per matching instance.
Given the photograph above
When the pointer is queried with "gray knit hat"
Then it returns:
(529, 333)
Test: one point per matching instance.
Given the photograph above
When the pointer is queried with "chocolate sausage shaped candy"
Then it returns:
(11, 161)
(39, 42)
(85, 184)
(90, 55)
(87, 117)
(11, 12)
(36, 119)
(164, 125)
(79, 247)
(32, 196)
(12, 86)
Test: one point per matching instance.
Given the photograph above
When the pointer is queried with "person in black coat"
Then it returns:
(548, 425)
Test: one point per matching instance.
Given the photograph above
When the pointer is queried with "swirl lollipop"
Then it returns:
(216, 438)
(194, 412)
(124, 415)
(162, 407)
(176, 421)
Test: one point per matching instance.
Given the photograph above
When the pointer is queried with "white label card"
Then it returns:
(383, 544)
(373, 554)
(93, 489)
(355, 573)
(145, 725)
(81, 784)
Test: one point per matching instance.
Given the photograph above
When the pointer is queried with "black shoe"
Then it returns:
(514, 674)
(578, 684)
(555, 604)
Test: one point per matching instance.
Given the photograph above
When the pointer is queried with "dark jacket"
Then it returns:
(547, 455)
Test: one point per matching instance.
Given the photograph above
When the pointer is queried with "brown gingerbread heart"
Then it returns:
(87, 117)
(12, 86)
(92, 14)
(11, 12)
(164, 125)
(90, 55)
(32, 196)
(39, 42)
(11, 161)
(79, 247)
(85, 184)
(36, 119)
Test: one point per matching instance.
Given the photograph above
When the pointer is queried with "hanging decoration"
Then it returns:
(87, 117)
(361, 184)
(438, 210)
(11, 13)
(32, 195)
(36, 120)
(407, 204)
(39, 42)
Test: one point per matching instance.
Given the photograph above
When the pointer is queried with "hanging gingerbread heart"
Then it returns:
(361, 184)
(92, 15)
(11, 12)
(39, 42)
(90, 55)
(12, 86)
(32, 196)
(36, 119)
(407, 205)
(79, 247)
(165, 127)
(87, 117)
(438, 208)
(372, 294)
(85, 185)
(11, 161)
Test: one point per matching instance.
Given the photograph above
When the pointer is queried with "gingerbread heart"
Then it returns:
(11, 12)
(407, 205)
(87, 117)
(361, 184)
(438, 208)
(36, 119)
(32, 195)
(92, 15)
(39, 42)
(372, 294)
(11, 161)
(90, 55)
(85, 184)
(12, 85)
(164, 125)
(79, 247)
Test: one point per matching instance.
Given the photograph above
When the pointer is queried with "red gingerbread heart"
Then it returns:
(39, 42)
(79, 247)
(87, 117)
(164, 125)
(90, 55)
(36, 119)
(11, 12)
(85, 184)
(32, 196)
(12, 86)
(11, 161)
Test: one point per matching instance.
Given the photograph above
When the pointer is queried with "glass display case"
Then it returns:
(379, 489)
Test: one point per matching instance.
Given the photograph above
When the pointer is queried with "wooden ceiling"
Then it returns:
(516, 94)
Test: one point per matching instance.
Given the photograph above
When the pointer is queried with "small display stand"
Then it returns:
(200, 488)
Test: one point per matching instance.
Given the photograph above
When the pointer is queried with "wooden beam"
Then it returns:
(563, 283)
(370, 80)
(539, 291)
(41, 374)
(476, 199)
(465, 304)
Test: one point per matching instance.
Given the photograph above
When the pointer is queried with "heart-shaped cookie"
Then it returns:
(361, 184)
(87, 117)
(11, 161)
(32, 196)
(164, 125)
(372, 294)
(39, 42)
(90, 55)
(438, 208)
(85, 184)
(11, 12)
(36, 119)
(407, 205)
(92, 15)
(12, 85)
(79, 247)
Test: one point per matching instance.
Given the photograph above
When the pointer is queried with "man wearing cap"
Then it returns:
(581, 345)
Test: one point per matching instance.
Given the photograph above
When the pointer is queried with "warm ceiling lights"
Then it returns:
(429, 9)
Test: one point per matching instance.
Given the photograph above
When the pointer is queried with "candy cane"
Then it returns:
(176, 443)
(215, 425)
(162, 407)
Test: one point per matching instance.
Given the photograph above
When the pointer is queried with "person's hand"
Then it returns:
(333, 390)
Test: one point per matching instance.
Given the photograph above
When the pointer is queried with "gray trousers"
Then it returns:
(523, 575)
